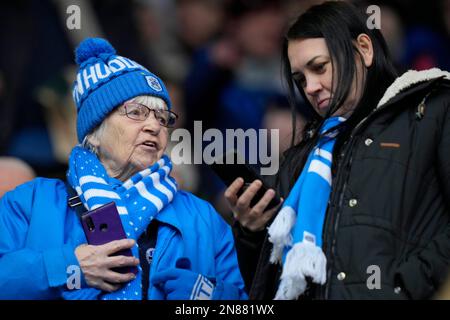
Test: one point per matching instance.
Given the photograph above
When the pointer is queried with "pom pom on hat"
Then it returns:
(92, 47)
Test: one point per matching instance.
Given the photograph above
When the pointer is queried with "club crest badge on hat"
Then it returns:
(153, 83)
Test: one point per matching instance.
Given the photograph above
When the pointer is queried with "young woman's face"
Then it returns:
(312, 69)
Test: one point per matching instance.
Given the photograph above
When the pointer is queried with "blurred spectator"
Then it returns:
(199, 21)
(13, 172)
(393, 32)
(36, 101)
(281, 119)
(173, 30)
(36, 50)
(118, 22)
(186, 175)
(231, 80)
(294, 7)
(426, 38)
(60, 113)
(415, 32)
(426, 49)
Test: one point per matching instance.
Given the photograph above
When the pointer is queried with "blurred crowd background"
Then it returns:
(219, 58)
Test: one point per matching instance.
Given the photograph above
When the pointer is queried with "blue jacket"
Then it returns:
(38, 232)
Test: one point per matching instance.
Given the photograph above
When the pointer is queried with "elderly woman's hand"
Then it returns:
(96, 263)
(255, 218)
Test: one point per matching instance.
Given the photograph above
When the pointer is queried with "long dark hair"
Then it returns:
(339, 23)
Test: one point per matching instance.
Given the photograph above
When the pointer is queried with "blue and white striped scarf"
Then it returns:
(296, 232)
(138, 200)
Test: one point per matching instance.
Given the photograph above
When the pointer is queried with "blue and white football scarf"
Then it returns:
(296, 232)
(138, 200)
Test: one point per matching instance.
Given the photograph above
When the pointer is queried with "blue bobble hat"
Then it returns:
(105, 81)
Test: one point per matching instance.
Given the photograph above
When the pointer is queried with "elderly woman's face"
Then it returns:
(312, 68)
(127, 146)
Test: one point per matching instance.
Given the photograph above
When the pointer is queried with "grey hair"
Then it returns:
(150, 101)
(97, 134)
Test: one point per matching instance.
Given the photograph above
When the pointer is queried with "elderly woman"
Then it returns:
(186, 250)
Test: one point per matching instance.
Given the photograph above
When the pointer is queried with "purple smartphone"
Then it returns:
(103, 225)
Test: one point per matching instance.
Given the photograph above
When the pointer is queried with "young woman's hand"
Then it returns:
(255, 218)
(96, 263)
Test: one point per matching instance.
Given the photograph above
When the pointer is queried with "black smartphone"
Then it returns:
(103, 225)
(230, 172)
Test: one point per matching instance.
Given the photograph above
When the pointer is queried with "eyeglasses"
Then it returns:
(140, 112)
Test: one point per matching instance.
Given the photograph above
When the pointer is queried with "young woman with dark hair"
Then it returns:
(367, 191)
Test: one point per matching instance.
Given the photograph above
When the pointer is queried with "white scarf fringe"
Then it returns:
(280, 232)
(305, 259)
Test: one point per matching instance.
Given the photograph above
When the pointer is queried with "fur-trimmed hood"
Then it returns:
(410, 78)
